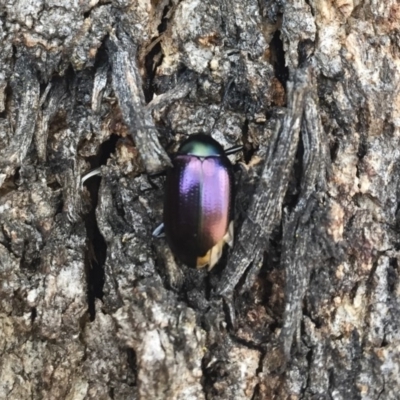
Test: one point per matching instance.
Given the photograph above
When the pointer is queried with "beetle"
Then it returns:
(198, 201)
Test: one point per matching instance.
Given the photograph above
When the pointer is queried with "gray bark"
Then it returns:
(307, 303)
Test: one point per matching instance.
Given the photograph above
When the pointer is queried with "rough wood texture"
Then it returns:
(307, 303)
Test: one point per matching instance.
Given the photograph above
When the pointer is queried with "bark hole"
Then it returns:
(272, 279)
(334, 149)
(278, 58)
(211, 375)
(132, 362)
(97, 247)
(294, 189)
(392, 275)
(153, 59)
(248, 149)
(33, 315)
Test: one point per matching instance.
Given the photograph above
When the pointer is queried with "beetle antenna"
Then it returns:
(153, 127)
(233, 150)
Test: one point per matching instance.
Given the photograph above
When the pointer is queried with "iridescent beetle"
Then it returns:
(198, 202)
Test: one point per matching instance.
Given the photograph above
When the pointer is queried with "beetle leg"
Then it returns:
(159, 231)
(95, 172)
(216, 253)
(228, 238)
(201, 262)
(212, 256)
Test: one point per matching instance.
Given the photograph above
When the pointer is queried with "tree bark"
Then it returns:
(307, 303)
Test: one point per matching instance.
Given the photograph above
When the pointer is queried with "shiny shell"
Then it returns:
(198, 202)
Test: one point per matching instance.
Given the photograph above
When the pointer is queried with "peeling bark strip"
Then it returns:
(180, 91)
(26, 97)
(300, 230)
(50, 103)
(128, 87)
(265, 209)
